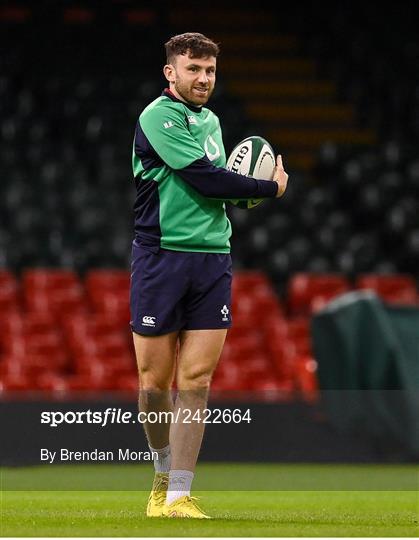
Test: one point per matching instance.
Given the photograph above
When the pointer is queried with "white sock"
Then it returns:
(179, 485)
(162, 461)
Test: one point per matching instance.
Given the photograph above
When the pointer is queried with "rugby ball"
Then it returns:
(253, 157)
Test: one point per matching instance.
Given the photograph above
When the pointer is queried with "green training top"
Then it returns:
(170, 136)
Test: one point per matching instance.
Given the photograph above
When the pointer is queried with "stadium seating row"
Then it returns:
(63, 333)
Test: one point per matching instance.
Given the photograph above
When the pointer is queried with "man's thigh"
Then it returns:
(199, 353)
(156, 359)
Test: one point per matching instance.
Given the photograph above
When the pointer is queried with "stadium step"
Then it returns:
(312, 138)
(278, 66)
(302, 161)
(280, 90)
(324, 114)
(259, 43)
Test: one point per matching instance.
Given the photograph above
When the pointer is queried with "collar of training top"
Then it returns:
(166, 92)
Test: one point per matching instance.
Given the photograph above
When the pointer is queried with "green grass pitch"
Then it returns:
(266, 500)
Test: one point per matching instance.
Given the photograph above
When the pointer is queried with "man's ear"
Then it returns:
(169, 73)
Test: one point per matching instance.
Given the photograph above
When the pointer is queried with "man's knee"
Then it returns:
(152, 380)
(194, 378)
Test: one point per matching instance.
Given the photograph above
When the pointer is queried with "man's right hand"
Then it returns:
(280, 177)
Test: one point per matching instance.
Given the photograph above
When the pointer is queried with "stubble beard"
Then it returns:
(187, 94)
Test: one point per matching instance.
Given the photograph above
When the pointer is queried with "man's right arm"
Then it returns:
(219, 183)
(172, 141)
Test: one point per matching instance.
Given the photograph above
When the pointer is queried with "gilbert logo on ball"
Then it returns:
(253, 157)
(235, 167)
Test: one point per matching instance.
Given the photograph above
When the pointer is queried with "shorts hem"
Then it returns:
(150, 332)
(207, 327)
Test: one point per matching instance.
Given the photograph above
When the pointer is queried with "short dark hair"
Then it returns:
(198, 46)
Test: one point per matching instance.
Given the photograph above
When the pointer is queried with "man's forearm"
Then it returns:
(219, 183)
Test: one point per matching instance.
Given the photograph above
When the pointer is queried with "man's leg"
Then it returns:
(156, 357)
(198, 357)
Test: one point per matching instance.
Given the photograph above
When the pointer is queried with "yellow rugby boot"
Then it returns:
(185, 507)
(157, 499)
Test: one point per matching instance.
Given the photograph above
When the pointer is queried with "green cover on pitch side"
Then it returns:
(368, 367)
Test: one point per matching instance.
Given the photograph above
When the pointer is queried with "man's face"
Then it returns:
(192, 79)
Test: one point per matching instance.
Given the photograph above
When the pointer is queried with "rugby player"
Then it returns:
(180, 293)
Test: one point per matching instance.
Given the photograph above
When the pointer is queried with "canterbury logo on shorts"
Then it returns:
(149, 321)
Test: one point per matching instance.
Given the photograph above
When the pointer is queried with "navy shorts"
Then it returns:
(178, 290)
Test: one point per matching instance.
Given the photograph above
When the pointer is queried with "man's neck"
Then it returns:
(174, 95)
(177, 96)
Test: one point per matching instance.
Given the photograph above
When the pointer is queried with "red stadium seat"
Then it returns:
(304, 287)
(242, 305)
(47, 343)
(14, 375)
(245, 344)
(227, 376)
(305, 376)
(127, 383)
(109, 366)
(9, 291)
(255, 308)
(256, 286)
(16, 323)
(48, 279)
(34, 363)
(299, 334)
(108, 293)
(53, 382)
(298, 327)
(256, 370)
(266, 304)
(275, 326)
(248, 281)
(97, 335)
(98, 324)
(39, 323)
(11, 322)
(16, 383)
(104, 375)
(34, 342)
(282, 355)
(57, 302)
(57, 292)
(272, 388)
(115, 305)
(394, 288)
(70, 384)
(110, 346)
(107, 280)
